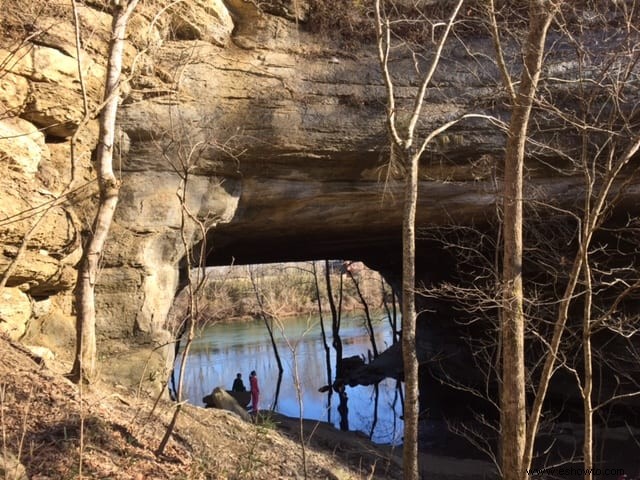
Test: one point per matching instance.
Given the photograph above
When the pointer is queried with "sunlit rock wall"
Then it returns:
(241, 134)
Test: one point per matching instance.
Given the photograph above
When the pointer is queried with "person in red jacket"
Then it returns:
(255, 391)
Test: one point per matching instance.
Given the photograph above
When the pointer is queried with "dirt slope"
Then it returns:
(43, 422)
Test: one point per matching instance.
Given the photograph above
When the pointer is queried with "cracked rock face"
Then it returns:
(47, 190)
(267, 135)
(286, 141)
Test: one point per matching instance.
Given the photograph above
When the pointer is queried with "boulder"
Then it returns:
(29, 180)
(22, 146)
(54, 101)
(13, 93)
(207, 20)
(42, 355)
(15, 311)
(53, 325)
(352, 363)
(219, 398)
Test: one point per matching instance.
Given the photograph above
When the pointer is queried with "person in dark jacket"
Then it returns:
(238, 384)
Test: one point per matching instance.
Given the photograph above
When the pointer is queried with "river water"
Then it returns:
(222, 351)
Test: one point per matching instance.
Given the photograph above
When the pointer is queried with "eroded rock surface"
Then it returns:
(273, 138)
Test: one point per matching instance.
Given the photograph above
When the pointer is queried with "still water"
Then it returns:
(221, 351)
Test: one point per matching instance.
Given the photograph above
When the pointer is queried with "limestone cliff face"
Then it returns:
(281, 138)
(49, 96)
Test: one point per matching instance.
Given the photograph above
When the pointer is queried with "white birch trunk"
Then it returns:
(84, 367)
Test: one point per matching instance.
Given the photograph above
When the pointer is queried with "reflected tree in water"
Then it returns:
(376, 396)
(336, 317)
(327, 350)
(367, 314)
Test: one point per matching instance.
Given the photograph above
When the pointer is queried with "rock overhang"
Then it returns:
(296, 161)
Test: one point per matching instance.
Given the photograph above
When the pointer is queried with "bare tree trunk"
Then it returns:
(404, 144)
(182, 164)
(512, 399)
(84, 366)
(409, 355)
(182, 333)
(293, 348)
(587, 382)
(183, 362)
(276, 394)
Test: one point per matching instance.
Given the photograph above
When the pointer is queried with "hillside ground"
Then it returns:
(102, 432)
(44, 418)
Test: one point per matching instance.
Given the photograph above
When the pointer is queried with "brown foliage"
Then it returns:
(20, 20)
(347, 22)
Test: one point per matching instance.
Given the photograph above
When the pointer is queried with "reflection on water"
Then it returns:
(221, 351)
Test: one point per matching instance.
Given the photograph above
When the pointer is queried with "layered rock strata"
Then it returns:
(246, 137)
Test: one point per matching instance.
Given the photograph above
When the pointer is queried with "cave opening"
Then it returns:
(452, 336)
(310, 329)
